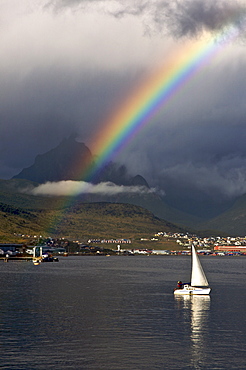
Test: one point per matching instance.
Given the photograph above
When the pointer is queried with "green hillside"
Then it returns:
(80, 221)
(15, 192)
(78, 218)
(233, 221)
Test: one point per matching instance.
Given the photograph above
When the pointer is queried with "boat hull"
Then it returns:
(191, 290)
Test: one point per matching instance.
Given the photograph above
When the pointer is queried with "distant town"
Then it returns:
(212, 245)
(176, 244)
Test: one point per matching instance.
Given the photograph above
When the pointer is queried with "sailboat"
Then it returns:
(199, 283)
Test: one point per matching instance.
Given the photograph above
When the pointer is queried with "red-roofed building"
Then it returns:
(230, 248)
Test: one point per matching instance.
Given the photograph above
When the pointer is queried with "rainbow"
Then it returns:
(146, 101)
(150, 97)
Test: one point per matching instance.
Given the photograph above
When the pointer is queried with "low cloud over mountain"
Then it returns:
(72, 188)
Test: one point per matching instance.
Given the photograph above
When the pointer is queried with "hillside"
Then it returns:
(150, 201)
(63, 162)
(81, 221)
(44, 209)
(11, 192)
(232, 221)
(66, 161)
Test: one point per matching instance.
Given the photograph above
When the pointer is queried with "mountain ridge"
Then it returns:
(67, 162)
(61, 163)
(81, 221)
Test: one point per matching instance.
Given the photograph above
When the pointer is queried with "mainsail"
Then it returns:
(198, 277)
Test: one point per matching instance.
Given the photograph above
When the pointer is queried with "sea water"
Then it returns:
(120, 313)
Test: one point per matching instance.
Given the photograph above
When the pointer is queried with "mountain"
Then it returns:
(67, 161)
(232, 221)
(58, 217)
(152, 202)
(15, 192)
(63, 162)
(60, 163)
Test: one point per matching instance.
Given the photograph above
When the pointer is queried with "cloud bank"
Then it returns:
(179, 17)
(72, 188)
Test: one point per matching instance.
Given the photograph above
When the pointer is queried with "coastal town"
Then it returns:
(161, 243)
(208, 245)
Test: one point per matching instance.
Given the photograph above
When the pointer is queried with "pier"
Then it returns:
(16, 258)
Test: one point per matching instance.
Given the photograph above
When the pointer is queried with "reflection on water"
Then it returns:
(199, 321)
(119, 313)
(196, 309)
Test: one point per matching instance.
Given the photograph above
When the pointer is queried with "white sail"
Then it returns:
(198, 277)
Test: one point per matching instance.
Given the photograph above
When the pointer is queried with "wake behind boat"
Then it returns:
(199, 283)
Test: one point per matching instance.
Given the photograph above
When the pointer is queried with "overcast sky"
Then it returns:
(66, 64)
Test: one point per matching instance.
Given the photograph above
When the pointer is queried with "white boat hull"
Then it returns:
(191, 290)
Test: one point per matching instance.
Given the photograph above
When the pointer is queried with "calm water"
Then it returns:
(120, 313)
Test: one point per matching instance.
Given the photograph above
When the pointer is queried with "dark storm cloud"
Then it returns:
(67, 71)
(199, 145)
(178, 17)
(192, 17)
(41, 109)
(198, 167)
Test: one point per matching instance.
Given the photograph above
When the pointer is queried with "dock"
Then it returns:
(16, 258)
